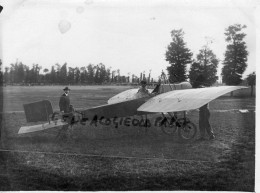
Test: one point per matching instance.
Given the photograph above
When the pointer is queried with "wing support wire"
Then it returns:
(172, 115)
(165, 80)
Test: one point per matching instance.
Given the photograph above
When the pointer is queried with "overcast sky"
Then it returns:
(128, 35)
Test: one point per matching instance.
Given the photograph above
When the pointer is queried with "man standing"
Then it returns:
(67, 112)
(64, 102)
(204, 124)
(204, 113)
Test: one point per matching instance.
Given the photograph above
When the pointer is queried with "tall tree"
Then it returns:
(144, 77)
(83, 75)
(77, 75)
(251, 79)
(20, 73)
(113, 76)
(53, 75)
(102, 73)
(235, 61)
(178, 56)
(63, 74)
(27, 74)
(97, 74)
(33, 73)
(149, 77)
(12, 73)
(194, 73)
(37, 73)
(46, 76)
(128, 77)
(205, 66)
(6, 75)
(118, 75)
(141, 76)
(90, 78)
(71, 75)
(108, 74)
(58, 77)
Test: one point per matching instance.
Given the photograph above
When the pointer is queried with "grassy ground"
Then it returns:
(81, 96)
(126, 158)
(243, 92)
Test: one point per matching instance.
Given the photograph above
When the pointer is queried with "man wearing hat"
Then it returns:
(143, 91)
(64, 103)
(67, 112)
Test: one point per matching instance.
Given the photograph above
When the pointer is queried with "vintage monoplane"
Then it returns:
(167, 100)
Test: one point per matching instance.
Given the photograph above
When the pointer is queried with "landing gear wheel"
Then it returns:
(168, 126)
(169, 129)
(187, 131)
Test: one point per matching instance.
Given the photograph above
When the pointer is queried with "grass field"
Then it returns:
(128, 157)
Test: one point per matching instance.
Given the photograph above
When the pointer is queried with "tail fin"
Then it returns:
(38, 111)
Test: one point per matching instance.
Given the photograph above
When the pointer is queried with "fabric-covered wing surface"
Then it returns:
(132, 93)
(125, 96)
(183, 100)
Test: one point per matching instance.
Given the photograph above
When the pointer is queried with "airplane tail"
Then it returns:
(40, 111)
(41, 127)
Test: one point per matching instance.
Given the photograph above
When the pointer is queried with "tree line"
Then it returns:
(19, 73)
(203, 69)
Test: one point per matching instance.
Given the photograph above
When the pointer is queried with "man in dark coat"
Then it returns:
(204, 113)
(67, 113)
(64, 102)
(204, 124)
(65, 107)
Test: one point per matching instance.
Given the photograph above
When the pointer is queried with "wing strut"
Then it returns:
(166, 80)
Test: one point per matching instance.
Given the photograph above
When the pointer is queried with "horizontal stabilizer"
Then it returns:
(40, 127)
(184, 100)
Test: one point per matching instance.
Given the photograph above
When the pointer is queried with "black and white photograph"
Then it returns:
(128, 95)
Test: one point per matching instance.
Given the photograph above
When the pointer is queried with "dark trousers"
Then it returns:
(204, 124)
(66, 130)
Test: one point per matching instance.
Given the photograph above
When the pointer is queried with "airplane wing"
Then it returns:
(39, 111)
(184, 100)
(125, 96)
(162, 88)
